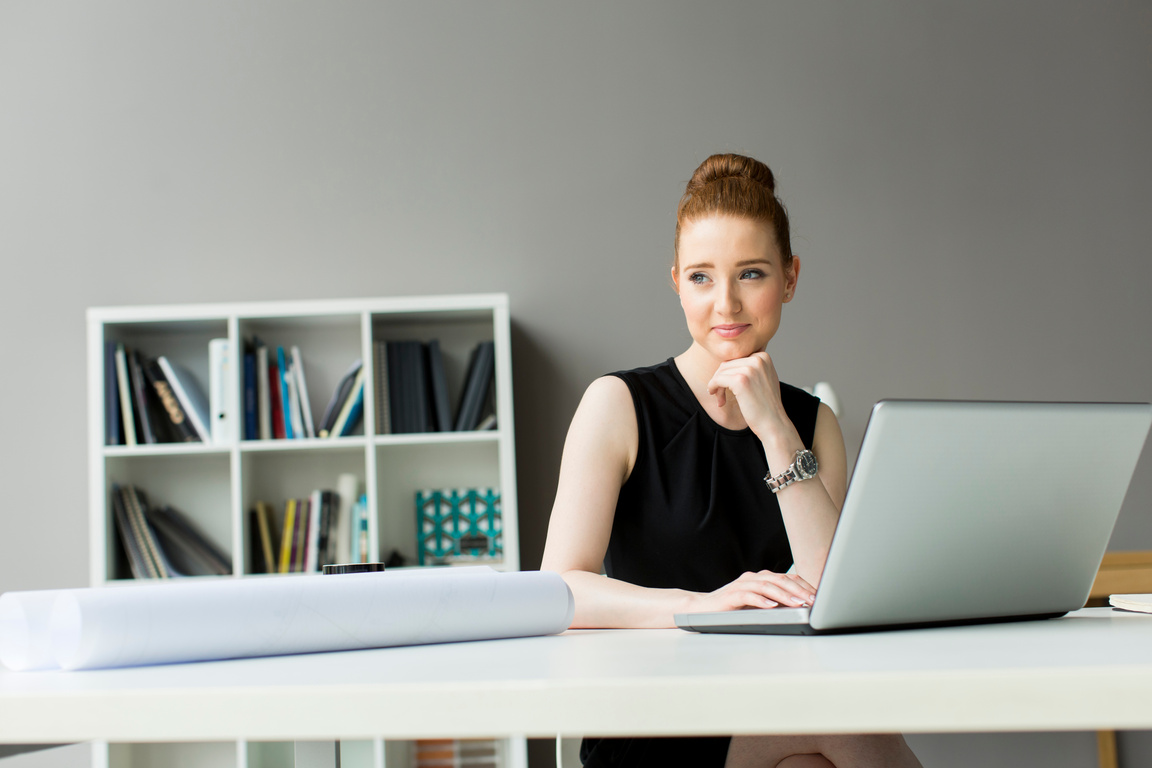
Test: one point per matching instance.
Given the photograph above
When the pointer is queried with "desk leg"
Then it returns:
(1106, 749)
(317, 754)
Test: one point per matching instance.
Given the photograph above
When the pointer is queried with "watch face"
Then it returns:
(806, 465)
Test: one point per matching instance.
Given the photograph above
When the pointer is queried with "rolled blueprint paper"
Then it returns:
(25, 642)
(193, 620)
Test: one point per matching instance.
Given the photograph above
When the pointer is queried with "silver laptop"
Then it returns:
(967, 512)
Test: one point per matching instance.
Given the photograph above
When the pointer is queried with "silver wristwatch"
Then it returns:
(804, 467)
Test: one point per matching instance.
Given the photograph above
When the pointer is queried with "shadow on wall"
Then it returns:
(545, 401)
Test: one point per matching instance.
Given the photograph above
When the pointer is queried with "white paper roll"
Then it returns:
(25, 643)
(194, 620)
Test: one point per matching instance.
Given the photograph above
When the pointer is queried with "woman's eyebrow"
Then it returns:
(744, 263)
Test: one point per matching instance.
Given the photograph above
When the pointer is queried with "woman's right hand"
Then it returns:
(764, 589)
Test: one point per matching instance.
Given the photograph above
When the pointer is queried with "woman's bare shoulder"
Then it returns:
(605, 423)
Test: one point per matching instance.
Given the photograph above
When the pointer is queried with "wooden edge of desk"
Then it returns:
(1123, 573)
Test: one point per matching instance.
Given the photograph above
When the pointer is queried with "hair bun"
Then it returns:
(728, 166)
(735, 185)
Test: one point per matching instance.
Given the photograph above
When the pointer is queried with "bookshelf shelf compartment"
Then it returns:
(217, 483)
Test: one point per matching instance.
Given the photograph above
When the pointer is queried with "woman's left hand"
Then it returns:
(753, 382)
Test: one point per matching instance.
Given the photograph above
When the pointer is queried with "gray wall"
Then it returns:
(968, 185)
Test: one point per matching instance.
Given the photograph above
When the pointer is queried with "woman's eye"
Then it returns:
(751, 274)
(697, 278)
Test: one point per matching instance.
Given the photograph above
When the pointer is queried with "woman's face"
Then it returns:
(732, 284)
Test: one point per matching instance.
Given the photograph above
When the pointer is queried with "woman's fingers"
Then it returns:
(796, 578)
(777, 587)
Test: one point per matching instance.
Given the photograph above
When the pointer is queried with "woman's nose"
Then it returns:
(726, 298)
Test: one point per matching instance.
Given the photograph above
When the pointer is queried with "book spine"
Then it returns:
(327, 510)
(275, 408)
(461, 416)
(137, 562)
(264, 529)
(346, 487)
(263, 400)
(395, 406)
(288, 537)
(285, 397)
(362, 529)
(221, 410)
(380, 380)
(251, 420)
(135, 506)
(126, 417)
(439, 385)
(300, 543)
(139, 400)
(113, 428)
(302, 391)
(312, 560)
(295, 419)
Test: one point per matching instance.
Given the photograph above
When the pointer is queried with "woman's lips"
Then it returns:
(731, 330)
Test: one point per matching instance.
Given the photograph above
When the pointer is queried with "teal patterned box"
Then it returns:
(459, 525)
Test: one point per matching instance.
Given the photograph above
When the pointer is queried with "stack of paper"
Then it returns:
(1140, 603)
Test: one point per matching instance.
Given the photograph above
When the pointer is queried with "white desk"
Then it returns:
(1089, 670)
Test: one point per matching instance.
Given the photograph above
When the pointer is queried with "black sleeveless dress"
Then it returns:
(694, 514)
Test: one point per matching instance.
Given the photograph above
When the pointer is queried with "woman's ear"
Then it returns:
(675, 280)
(793, 277)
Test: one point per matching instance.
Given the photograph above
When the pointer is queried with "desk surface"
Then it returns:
(1091, 669)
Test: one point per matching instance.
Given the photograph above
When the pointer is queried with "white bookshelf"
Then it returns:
(216, 484)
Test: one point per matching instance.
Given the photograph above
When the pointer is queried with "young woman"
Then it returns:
(703, 483)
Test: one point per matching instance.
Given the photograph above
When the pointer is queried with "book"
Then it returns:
(438, 383)
(360, 546)
(189, 394)
(186, 547)
(1136, 603)
(352, 410)
(383, 392)
(418, 381)
(251, 417)
(327, 511)
(300, 534)
(137, 561)
(395, 392)
(477, 382)
(312, 559)
(147, 427)
(135, 502)
(285, 396)
(288, 537)
(221, 383)
(339, 396)
(347, 485)
(302, 391)
(180, 427)
(294, 416)
(126, 417)
(265, 533)
(263, 400)
(275, 406)
(113, 428)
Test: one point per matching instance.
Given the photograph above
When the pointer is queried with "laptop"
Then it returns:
(962, 512)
